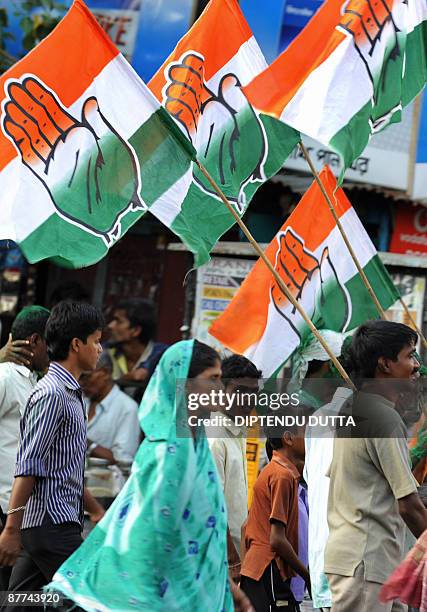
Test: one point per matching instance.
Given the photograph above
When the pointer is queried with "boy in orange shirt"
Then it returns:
(271, 534)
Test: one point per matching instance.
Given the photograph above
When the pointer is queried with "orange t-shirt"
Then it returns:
(275, 497)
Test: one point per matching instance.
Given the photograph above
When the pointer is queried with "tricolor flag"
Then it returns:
(200, 84)
(85, 148)
(349, 73)
(310, 255)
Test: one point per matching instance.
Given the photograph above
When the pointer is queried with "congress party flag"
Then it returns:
(311, 257)
(85, 148)
(200, 85)
(350, 72)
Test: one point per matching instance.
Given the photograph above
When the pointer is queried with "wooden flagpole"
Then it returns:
(411, 318)
(351, 251)
(343, 234)
(276, 276)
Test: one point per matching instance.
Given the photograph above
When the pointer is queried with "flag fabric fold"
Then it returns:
(349, 73)
(311, 257)
(200, 85)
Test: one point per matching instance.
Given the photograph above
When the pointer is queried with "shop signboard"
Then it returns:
(217, 283)
(385, 161)
(412, 289)
(121, 22)
(145, 31)
(410, 230)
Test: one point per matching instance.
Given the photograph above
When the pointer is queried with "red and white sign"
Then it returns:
(410, 232)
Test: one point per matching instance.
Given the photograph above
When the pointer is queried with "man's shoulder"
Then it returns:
(9, 370)
(375, 417)
(48, 387)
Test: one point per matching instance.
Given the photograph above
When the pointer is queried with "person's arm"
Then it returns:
(233, 557)
(413, 512)
(100, 452)
(92, 506)
(139, 374)
(282, 491)
(16, 351)
(219, 452)
(10, 538)
(390, 455)
(281, 545)
(240, 599)
(243, 548)
(41, 421)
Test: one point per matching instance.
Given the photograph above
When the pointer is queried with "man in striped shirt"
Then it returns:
(45, 513)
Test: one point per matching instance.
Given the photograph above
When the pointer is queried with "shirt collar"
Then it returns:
(64, 376)
(107, 401)
(283, 461)
(117, 352)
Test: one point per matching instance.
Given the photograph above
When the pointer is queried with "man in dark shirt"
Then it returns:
(46, 505)
(133, 351)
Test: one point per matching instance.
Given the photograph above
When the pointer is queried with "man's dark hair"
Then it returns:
(141, 313)
(203, 357)
(31, 320)
(314, 366)
(375, 339)
(70, 320)
(238, 366)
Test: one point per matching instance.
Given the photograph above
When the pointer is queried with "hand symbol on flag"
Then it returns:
(89, 171)
(221, 124)
(313, 282)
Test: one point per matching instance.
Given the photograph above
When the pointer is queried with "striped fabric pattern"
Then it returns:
(52, 447)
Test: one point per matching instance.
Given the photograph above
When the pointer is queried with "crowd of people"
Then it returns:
(334, 510)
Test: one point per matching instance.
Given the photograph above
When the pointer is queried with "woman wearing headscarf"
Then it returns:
(162, 544)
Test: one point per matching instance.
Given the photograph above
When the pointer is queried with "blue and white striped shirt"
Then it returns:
(52, 448)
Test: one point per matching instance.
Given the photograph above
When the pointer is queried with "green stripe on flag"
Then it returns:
(363, 307)
(415, 77)
(204, 218)
(164, 155)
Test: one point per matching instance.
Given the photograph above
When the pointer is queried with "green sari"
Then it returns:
(162, 544)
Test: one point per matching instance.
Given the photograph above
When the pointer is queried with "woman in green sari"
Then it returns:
(162, 544)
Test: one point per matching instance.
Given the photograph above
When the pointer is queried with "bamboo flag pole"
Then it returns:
(341, 229)
(276, 276)
(351, 251)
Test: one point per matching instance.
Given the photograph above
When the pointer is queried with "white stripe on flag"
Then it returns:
(319, 109)
(168, 206)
